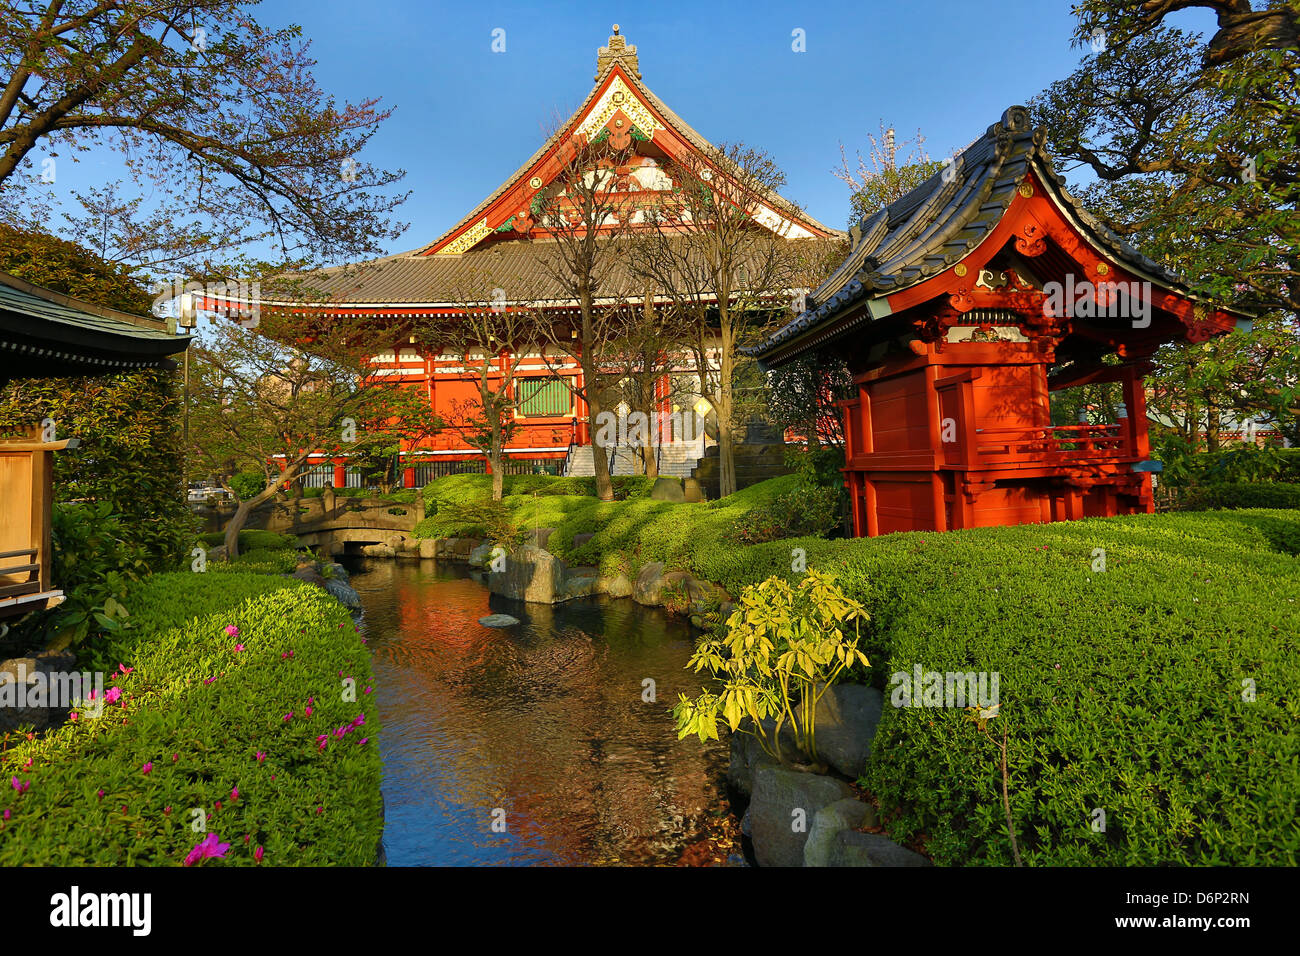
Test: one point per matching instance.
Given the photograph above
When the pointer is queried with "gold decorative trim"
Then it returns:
(959, 269)
(1025, 189)
(1103, 269)
(466, 240)
(631, 106)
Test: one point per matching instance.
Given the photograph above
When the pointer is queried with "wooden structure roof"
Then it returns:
(499, 236)
(45, 334)
(927, 234)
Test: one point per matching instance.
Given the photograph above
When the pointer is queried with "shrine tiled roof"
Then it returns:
(943, 220)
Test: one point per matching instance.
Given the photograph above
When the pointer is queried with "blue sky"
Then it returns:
(466, 117)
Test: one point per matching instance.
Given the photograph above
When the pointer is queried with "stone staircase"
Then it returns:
(676, 459)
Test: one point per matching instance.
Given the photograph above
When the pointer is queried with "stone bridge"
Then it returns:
(335, 524)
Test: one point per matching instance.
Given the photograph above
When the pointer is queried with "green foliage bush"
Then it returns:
(129, 456)
(199, 712)
(1261, 494)
(808, 509)
(1120, 690)
(247, 484)
(95, 558)
(253, 539)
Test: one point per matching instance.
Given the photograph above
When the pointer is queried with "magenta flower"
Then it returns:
(101, 794)
(288, 716)
(7, 814)
(208, 680)
(209, 847)
(147, 767)
(363, 740)
(234, 794)
(239, 648)
(74, 716)
(257, 854)
(21, 786)
(232, 630)
(260, 756)
(358, 720)
(340, 731)
(122, 668)
(321, 741)
(307, 712)
(112, 695)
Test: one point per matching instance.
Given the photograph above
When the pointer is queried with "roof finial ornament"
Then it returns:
(618, 52)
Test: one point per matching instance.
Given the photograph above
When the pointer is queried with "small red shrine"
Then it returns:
(960, 308)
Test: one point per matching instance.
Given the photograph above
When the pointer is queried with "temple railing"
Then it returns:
(1054, 443)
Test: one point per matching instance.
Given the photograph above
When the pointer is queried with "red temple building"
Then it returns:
(502, 235)
(960, 308)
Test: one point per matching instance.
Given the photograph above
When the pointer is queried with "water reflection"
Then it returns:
(544, 720)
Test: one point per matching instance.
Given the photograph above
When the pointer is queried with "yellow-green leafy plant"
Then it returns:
(785, 647)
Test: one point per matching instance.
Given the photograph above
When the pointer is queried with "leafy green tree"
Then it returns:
(218, 117)
(879, 178)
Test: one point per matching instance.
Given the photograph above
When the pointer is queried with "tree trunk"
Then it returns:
(726, 453)
(240, 516)
(1211, 427)
(494, 461)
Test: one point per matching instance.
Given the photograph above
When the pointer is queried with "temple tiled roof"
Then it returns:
(944, 219)
(46, 333)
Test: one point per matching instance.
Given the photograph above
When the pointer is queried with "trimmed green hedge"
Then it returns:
(1255, 494)
(199, 712)
(251, 538)
(1120, 691)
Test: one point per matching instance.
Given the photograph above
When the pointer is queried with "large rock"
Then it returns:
(617, 585)
(580, 582)
(44, 678)
(530, 574)
(343, 592)
(692, 490)
(428, 547)
(582, 537)
(847, 718)
(478, 558)
(667, 489)
(852, 848)
(826, 826)
(498, 620)
(747, 754)
(782, 809)
(649, 585)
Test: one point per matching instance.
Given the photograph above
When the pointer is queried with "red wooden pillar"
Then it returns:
(340, 473)
(408, 477)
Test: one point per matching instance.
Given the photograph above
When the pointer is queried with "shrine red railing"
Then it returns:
(1054, 442)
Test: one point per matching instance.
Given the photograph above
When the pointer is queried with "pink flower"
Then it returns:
(113, 695)
(122, 668)
(7, 814)
(307, 712)
(320, 809)
(321, 741)
(260, 756)
(74, 716)
(232, 630)
(289, 716)
(367, 690)
(208, 680)
(234, 794)
(167, 811)
(101, 794)
(175, 757)
(238, 648)
(20, 785)
(340, 731)
(363, 740)
(217, 805)
(358, 720)
(209, 847)
(147, 767)
(257, 854)
(310, 701)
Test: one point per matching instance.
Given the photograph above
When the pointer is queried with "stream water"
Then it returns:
(540, 728)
